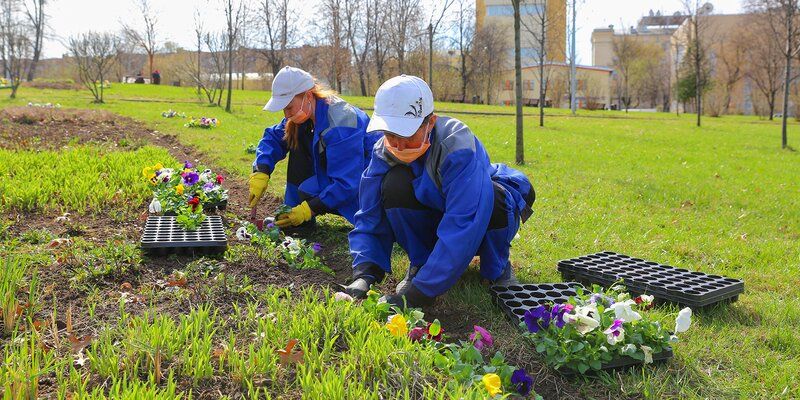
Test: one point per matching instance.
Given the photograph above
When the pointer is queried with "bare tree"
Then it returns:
(764, 61)
(235, 14)
(380, 36)
(464, 38)
(38, 22)
(358, 26)
(782, 18)
(218, 54)
(15, 47)
(94, 55)
(490, 41)
(433, 27)
(730, 68)
(277, 27)
(147, 36)
(696, 40)
(333, 26)
(520, 148)
(626, 52)
(537, 23)
(403, 21)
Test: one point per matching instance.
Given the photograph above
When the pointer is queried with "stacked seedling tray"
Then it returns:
(664, 282)
(162, 235)
(514, 300)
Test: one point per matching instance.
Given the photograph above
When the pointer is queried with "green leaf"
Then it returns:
(436, 328)
(583, 367)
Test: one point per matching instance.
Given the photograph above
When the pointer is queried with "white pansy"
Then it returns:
(684, 320)
(242, 234)
(584, 319)
(623, 311)
(628, 348)
(646, 298)
(648, 354)
(155, 206)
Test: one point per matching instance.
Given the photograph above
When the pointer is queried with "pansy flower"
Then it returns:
(492, 383)
(615, 333)
(194, 202)
(480, 337)
(397, 325)
(537, 318)
(522, 381)
(190, 178)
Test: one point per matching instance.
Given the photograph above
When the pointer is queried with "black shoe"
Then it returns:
(507, 278)
(405, 284)
(358, 288)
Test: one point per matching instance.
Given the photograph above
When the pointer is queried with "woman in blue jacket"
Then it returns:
(431, 188)
(327, 145)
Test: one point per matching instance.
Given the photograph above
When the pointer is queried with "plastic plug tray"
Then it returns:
(162, 235)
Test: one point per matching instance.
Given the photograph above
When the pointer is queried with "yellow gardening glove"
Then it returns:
(258, 184)
(297, 216)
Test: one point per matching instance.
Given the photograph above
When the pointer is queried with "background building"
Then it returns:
(594, 83)
(652, 55)
(501, 13)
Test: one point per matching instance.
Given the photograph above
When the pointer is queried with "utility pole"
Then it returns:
(573, 83)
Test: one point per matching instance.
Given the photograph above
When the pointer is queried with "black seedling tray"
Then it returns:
(514, 300)
(624, 362)
(663, 282)
(162, 235)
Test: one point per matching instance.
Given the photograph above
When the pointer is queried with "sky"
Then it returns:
(176, 17)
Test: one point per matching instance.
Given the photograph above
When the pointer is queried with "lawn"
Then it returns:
(721, 199)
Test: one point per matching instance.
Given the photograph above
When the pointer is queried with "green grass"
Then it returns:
(721, 199)
(83, 179)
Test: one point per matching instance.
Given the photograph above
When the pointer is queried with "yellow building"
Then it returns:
(501, 13)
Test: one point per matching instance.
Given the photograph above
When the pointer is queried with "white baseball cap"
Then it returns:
(289, 82)
(401, 104)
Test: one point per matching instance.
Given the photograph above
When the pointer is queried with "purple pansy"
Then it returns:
(522, 381)
(316, 247)
(187, 165)
(537, 318)
(557, 314)
(190, 178)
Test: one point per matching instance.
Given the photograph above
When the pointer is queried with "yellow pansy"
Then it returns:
(148, 172)
(159, 166)
(492, 384)
(179, 188)
(397, 326)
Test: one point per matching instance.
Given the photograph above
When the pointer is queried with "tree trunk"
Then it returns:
(541, 90)
(520, 149)
(784, 114)
(230, 72)
(362, 82)
(150, 57)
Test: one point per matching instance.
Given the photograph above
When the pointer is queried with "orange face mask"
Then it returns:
(301, 115)
(408, 155)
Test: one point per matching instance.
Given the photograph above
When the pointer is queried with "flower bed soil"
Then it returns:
(147, 287)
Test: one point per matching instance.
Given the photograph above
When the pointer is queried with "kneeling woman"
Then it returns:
(327, 145)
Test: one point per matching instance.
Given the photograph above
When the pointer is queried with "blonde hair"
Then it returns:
(319, 92)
